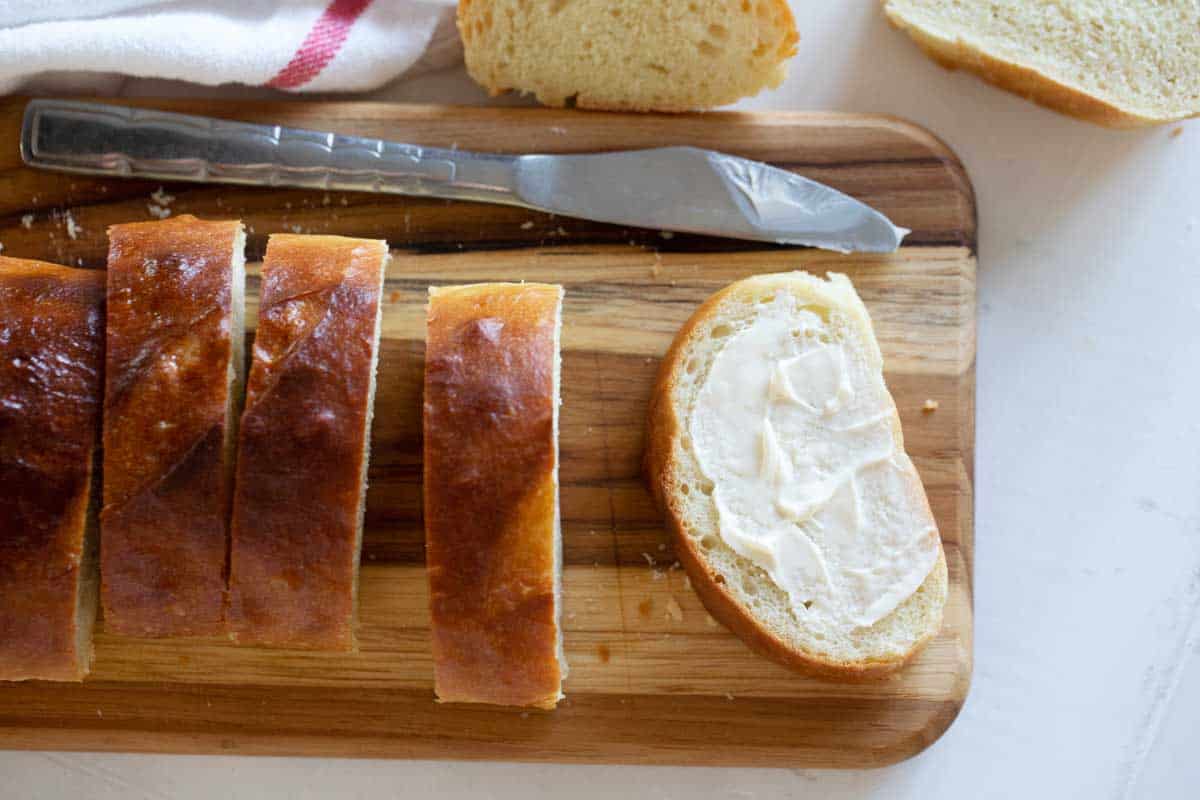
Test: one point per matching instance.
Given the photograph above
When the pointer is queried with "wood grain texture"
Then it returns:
(645, 686)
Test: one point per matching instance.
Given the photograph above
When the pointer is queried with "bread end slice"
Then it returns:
(1123, 64)
(737, 592)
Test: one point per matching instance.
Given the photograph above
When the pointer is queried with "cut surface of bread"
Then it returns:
(491, 493)
(172, 373)
(52, 341)
(303, 445)
(628, 54)
(1122, 63)
(775, 452)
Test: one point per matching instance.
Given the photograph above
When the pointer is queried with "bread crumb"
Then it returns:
(560, 230)
(667, 234)
(295, 228)
(27, 221)
(1177, 132)
(161, 198)
(527, 224)
(687, 582)
(73, 228)
(729, 697)
(661, 547)
(674, 612)
(558, 131)
(657, 575)
(343, 201)
(161, 212)
(930, 406)
(649, 558)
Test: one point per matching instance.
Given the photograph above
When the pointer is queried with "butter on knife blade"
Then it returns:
(671, 188)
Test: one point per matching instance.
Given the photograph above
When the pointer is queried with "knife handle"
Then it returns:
(99, 139)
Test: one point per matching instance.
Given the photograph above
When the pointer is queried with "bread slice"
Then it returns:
(172, 371)
(493, 544)
(52, 341)
(819, 446)
(670, 55)
(304, 443)
(1121, 63)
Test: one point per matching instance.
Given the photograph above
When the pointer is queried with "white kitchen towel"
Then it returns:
(301, 45)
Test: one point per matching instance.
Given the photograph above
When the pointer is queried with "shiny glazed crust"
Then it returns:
(303, 442)
(164, 526)
(663, 429)
(52, 341)
(491, 523)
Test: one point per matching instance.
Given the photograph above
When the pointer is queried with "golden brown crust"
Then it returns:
(303, 442)
(52, 340)
(164, 525)
(490, 492)
(663, 429)
(1026, 81)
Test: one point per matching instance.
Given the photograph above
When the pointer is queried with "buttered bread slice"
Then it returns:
(776, 453)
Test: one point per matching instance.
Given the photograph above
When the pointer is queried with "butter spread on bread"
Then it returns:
(491, 493)
(172, 373)
(51, 361)
(304, 443)
(775, 451)
(793, 426)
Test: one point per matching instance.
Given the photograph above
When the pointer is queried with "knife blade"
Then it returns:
(669, 188)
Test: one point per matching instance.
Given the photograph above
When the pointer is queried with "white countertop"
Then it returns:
(1087, 584)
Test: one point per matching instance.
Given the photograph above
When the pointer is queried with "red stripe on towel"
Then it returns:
(323, 42)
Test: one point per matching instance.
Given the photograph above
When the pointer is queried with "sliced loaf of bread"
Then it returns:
(51, 391)
(493, 543)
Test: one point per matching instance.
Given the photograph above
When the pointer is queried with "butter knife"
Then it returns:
(668, 188)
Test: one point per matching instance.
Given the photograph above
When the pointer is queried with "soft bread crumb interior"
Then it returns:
(237, 360)
(558, 554)
(87, 590)
(366, 461)
(690, 493)
(1139, 55)
(671, 55)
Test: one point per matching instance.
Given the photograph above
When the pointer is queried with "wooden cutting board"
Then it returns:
(653, 679)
